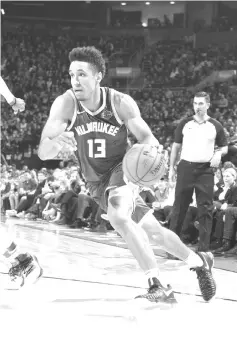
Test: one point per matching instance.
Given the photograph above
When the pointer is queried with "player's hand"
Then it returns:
(66, 142)
(216, 159)
(19, 106)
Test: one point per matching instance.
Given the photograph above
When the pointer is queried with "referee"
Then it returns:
(196, 137)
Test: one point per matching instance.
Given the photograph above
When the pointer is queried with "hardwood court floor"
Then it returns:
(86, 296)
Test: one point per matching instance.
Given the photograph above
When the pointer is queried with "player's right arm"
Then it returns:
(54, 138)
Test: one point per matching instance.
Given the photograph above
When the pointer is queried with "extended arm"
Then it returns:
(129, 113)
(54, 137)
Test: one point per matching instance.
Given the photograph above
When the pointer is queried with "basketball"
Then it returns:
(144, 165)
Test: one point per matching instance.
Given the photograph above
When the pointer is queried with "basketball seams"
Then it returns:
(150, 166)
(138, 164)
(138, 180)
(161, 163)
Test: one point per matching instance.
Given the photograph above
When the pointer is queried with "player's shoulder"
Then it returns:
(125, 105)
(119, 97)
(64, 99)
(64, 105)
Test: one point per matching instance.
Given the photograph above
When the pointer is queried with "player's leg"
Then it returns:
(121, 205)
(200, 262)
(120, 209)
(23, 267)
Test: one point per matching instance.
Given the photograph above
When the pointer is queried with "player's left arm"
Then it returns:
(129, 113)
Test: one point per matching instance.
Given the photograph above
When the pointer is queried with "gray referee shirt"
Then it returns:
(199, 139)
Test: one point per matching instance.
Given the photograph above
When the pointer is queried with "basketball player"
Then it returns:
(24, 267)
(93, 121)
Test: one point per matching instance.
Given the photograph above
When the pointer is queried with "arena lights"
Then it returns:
(172, 2)
(123, 3)
(147, 3)
(2, 11)
(144, 25)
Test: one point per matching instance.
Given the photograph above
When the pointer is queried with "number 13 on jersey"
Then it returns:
(97, 148)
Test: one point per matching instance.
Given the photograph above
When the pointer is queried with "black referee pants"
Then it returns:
(190, 177)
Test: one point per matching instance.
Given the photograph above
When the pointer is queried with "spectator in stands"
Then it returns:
(226, 213)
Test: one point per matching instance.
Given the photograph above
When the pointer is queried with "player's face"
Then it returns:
(84, 79)
(200, 105)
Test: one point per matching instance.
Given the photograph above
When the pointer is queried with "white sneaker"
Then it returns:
(25, 270)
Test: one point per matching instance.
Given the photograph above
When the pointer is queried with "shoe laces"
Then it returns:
(21, 268)
(154, 292)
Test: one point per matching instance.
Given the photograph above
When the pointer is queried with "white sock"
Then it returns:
(194, 260)
(10, 253)
(153, 273)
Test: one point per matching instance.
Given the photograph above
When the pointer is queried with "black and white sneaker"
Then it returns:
(25, 270)
(158, 293)
(206, 281)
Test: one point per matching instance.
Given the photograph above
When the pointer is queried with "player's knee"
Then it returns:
(116, 202)
(119, 210)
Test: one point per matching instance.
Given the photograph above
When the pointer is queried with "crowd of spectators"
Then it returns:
(56, 195)
(181, 65)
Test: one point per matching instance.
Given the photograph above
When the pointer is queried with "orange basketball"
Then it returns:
(144, 165)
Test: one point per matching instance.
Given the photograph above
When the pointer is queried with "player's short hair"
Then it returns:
(203, 94)
(90, 55)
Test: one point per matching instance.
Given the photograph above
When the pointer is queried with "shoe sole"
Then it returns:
(211, 256)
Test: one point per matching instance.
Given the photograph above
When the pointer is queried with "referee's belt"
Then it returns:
(198, 163)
